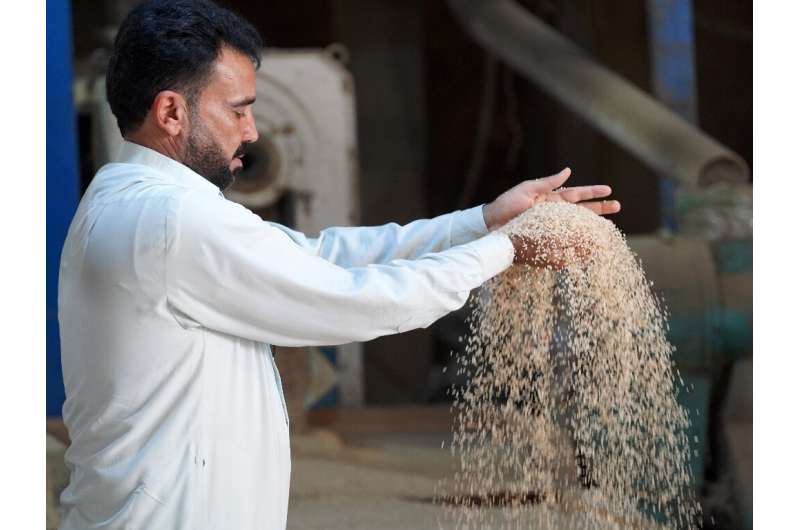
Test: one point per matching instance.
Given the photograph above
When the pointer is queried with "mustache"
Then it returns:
(241, 151)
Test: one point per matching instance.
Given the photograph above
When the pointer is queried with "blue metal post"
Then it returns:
(672, 60)
(62, 178)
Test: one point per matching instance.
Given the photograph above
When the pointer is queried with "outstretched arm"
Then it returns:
(240, 276)
(363, 245)
(354, 246)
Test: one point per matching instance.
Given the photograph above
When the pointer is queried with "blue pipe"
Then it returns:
(63, 186)
(673, 73)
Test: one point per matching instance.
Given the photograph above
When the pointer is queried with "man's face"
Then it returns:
(222, 120)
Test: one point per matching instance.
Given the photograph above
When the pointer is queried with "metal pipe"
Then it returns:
(630, 117)
(63, 178)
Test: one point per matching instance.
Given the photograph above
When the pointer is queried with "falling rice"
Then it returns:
(571, 403)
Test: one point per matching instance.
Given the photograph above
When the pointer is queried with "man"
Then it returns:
(170, 295)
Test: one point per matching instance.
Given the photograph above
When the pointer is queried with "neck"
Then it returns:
(165, 144)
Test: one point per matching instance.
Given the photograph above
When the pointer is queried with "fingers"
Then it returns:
(584, 193)
(602, 207)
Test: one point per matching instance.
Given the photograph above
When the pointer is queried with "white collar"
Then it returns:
(132, 153)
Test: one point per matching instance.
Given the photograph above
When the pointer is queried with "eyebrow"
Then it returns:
(243, 102)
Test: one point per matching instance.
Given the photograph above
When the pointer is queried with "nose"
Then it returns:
(250, 133)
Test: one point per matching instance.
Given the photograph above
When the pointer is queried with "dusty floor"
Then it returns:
(335, 495)
(369, 483)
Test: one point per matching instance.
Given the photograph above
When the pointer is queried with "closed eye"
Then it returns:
(240, 106)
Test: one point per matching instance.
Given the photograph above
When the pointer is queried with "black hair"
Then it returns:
(171, 45)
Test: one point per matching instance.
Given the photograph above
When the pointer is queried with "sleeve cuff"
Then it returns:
(496, 254)
(468, 225)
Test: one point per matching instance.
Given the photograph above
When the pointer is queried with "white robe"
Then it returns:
(169, 295)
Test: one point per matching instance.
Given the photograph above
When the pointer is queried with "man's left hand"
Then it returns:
(524, 195)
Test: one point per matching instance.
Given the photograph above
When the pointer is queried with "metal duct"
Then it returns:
(641, 125)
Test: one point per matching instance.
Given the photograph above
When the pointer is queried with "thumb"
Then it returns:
(558, 180)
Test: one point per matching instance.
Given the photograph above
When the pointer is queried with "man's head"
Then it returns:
(181, 78)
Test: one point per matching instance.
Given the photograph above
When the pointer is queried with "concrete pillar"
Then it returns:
(385, 39)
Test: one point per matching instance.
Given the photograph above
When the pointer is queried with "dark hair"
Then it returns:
(170, 45)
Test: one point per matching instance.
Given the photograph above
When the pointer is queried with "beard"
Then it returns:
(206, 158)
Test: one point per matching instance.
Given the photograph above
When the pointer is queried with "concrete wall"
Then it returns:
(386, 57)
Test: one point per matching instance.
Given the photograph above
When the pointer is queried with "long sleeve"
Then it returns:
(364, 245)
(231, 272)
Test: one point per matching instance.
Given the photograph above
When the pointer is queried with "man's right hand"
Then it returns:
(549, 253)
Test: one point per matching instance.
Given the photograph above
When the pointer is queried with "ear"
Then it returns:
(170, 111)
